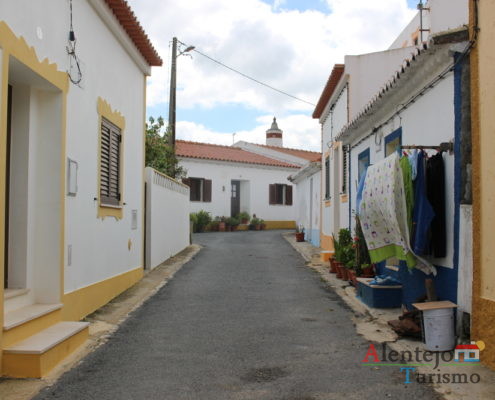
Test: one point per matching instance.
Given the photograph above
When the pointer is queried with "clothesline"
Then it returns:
(444, 146)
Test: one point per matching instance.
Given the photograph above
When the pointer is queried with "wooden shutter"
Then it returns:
(288, 195)
(110, 163)
(345, 155)
(207, 190)
(272, 189)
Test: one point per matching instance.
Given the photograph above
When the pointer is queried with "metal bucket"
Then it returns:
(438, 328)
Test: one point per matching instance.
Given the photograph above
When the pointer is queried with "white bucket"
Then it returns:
(439, 329)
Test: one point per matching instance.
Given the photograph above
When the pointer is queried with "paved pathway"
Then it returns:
(245, 319)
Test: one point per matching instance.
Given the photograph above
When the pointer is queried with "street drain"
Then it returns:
(266, 374)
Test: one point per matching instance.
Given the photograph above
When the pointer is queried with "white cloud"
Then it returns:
(290, 50)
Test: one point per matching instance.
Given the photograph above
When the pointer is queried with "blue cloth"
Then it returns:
(359, 194)
(413, 160)
(423, 212)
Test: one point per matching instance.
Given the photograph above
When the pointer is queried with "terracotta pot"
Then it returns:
(345, 273)
(352, 277)
(338, 268)
(299, 236)
(333, 266)
(221, 227)
(244, 221)
(257, 227)
(368, 272)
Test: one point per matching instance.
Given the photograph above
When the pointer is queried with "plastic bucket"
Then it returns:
(439, 329)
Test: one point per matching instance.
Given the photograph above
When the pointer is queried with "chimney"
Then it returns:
(274, 135)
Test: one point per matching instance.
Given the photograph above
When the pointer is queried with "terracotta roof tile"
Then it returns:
(333, 80)
(306, 154)
(135, 31)
(208, 151)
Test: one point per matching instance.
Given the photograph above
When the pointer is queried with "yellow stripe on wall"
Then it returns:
(84, 301)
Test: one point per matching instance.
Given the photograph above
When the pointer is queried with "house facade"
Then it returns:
(482, 15)
(245, 177)
(72, 176)
(405, 97)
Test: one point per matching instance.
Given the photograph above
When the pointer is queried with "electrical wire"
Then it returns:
(71, 51)
(250, 78)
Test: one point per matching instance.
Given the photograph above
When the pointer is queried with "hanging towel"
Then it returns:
(435, 184)
(423, 212)
(408, 189)
(383, 215)
(383, 212)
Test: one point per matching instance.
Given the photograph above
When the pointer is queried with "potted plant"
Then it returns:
(300, 233)
(343, 252)
(221, 224)
(262, 224)
(244, 217)
(256, 223)
(200, 220)
(232, 222)
(363, 262)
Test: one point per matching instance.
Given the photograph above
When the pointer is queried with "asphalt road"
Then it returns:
(245, 319)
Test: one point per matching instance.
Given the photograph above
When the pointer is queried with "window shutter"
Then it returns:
(110, 163)
(327, 178)
(273, 194)
(288, 195)
(207, 190)
(344, 169)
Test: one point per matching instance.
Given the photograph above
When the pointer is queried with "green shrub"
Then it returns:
(244, 216)
(232, 221)
(200, 220)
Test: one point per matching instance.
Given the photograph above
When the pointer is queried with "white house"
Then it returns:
(405, 96)
(72, 98)
(245, 177)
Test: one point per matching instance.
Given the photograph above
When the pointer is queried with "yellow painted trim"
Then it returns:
(327, 203)
(280, 225)
(30, 328)
(105, 111)
(84, 301)
(17, 47)
(38, 365)
(344, 198)
(326, 242)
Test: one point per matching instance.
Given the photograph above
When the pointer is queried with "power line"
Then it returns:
(250, 78)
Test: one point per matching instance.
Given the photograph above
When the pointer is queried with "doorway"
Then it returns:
(310, 225)
(7, 186)
(235, 198)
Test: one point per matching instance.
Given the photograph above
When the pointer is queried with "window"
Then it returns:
(200, 189)
(393, 142)
(111, 139)
(363, 162)
(280, 194)
(327, 178)
(345, 156)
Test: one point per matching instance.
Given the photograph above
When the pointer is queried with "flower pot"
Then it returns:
(257, 227)
(244, 221)
(352, 277)
(221, 226)
(299, 236)
(345, 274)
(333, 266)
(368, 272)
(338, 269)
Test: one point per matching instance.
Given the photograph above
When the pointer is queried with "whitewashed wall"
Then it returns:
(255, 181)
(100, 248)
(308, 206)
(421, 125)
(167, 217)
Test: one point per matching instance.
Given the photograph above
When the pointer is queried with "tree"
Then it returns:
(159, 154)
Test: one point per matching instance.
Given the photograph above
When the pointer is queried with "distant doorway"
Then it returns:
(235, 198)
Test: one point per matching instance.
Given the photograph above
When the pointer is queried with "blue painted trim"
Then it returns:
(457, 159)
(364, 154)
(394, 135)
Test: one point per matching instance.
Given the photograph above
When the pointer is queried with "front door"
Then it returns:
(7, 187)
(235, 198)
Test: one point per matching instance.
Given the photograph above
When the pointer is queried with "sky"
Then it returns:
(291, 45)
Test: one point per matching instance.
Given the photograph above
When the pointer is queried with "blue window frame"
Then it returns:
(393, 142)
(363, 162)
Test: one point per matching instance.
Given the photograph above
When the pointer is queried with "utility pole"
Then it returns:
(173, 89)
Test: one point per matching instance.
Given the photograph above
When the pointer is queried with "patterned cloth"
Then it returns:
(383, 214)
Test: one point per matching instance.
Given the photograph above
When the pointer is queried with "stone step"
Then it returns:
(35, 356)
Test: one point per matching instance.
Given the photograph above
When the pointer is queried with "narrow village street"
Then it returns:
(245, 319)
